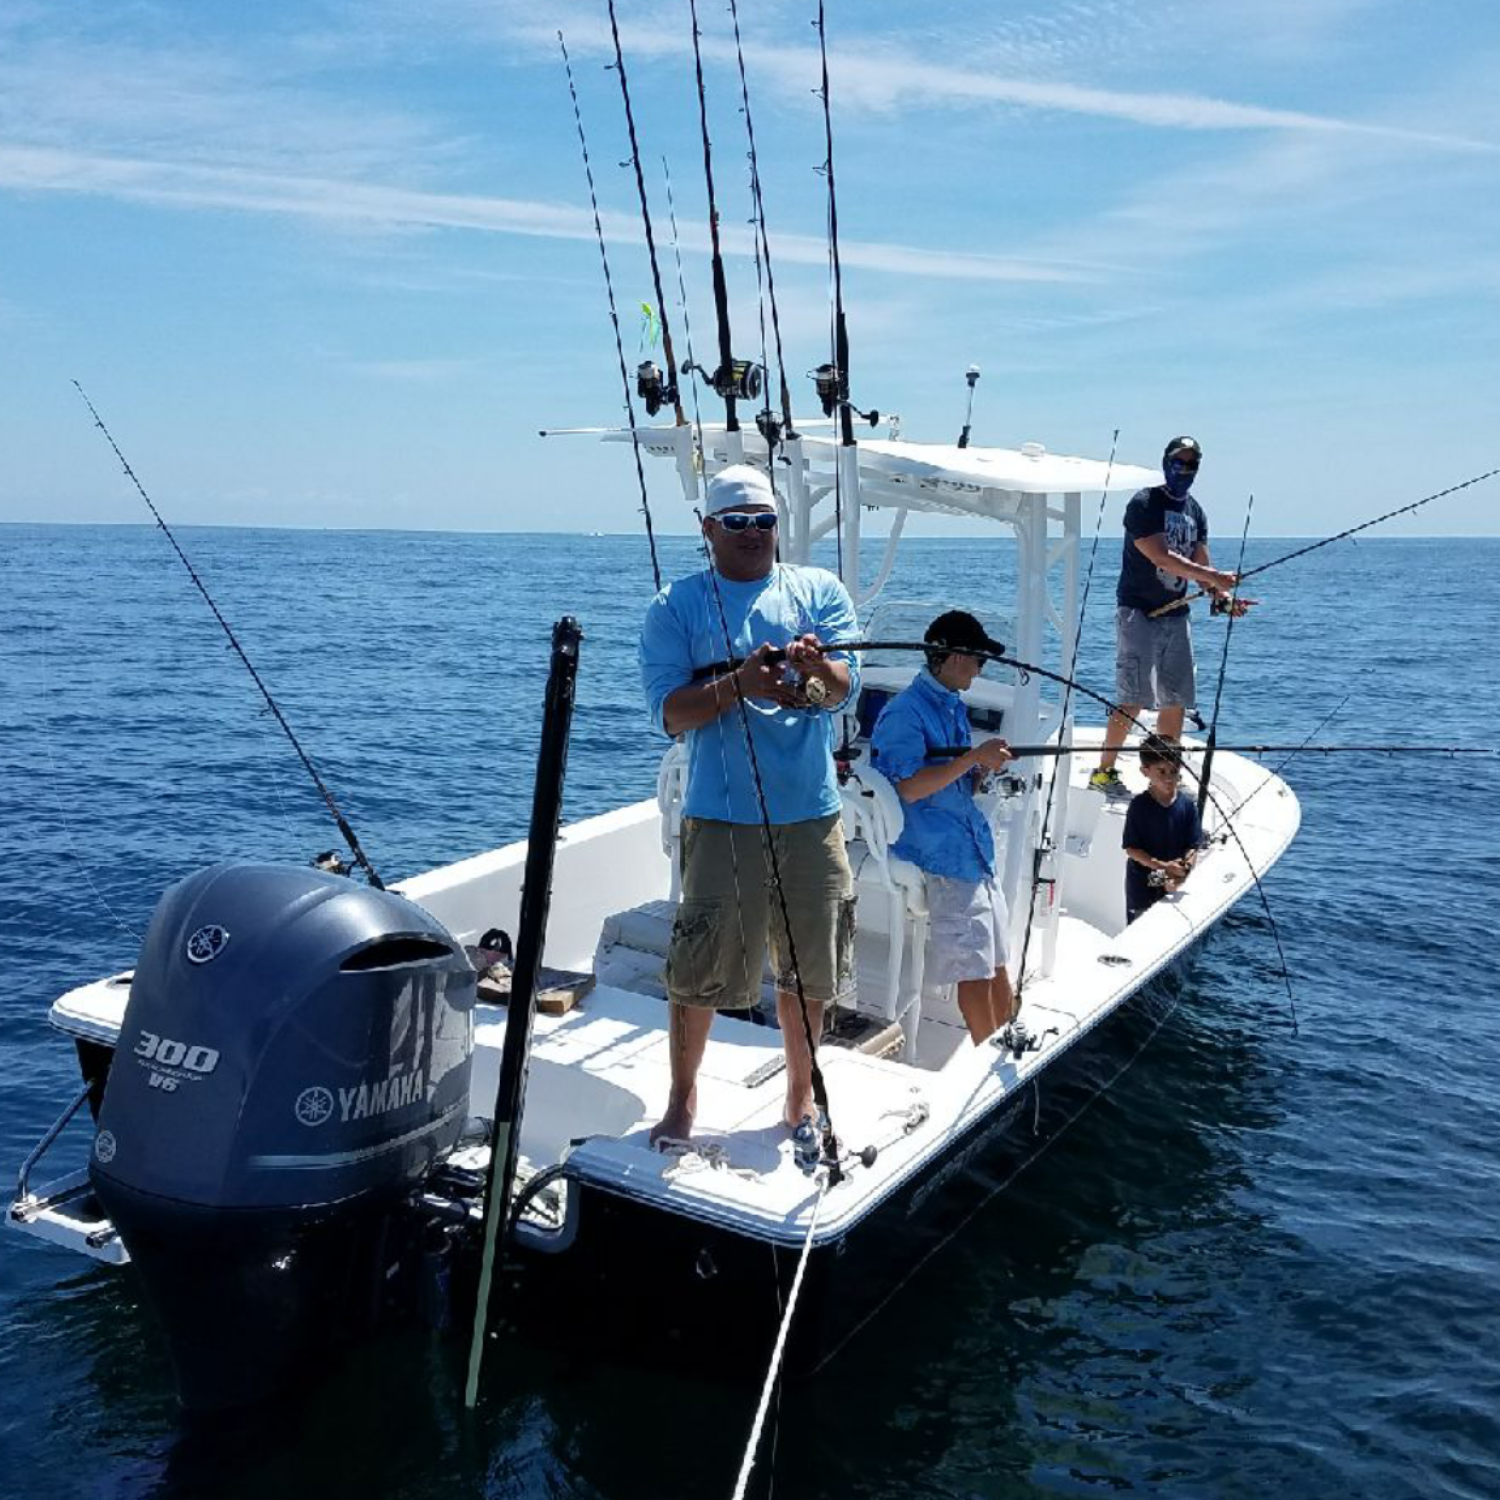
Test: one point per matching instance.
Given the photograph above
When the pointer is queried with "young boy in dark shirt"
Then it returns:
(1162, 832)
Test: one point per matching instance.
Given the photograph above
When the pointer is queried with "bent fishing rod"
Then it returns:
(1328, 541)
(614, 316)
(1031, 669)
(338, 817)
(1023, 752)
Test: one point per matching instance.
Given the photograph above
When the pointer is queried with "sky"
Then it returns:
(332, 263)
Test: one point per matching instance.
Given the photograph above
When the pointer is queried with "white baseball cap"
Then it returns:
(735, 487)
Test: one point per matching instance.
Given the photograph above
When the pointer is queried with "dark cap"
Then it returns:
(958, 630)
(1185, 445)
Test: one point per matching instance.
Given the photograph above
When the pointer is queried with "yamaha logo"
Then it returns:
(313, 1105)
(206, 944)
(104, 1146)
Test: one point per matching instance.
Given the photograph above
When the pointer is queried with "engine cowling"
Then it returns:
(293, 1060)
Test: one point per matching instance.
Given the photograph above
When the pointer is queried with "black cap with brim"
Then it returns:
(958, 630)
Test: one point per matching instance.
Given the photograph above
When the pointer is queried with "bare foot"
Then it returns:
(798, 1108)
(677, 1123)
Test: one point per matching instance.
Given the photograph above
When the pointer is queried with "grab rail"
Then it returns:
(23, 1179)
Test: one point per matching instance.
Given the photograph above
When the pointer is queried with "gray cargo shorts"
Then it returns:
(1154, 659)
(969, 921)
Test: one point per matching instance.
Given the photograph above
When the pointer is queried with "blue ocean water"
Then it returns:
(1265, 1263)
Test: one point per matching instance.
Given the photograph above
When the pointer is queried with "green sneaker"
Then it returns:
(1107, 780)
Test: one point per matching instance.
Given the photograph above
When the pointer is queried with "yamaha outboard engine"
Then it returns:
(294, 1059)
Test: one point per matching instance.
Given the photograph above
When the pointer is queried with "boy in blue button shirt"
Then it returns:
(945, 834)
(1162, 832)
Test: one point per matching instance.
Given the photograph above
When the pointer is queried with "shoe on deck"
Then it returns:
(1108, 781)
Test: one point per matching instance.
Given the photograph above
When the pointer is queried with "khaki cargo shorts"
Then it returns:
(729, 910)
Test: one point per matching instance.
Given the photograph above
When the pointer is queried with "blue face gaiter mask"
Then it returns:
(1179, 478)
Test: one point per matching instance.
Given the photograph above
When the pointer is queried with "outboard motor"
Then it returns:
(294, 1059)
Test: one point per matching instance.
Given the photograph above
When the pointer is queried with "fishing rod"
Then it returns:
(1043, 752)
(653, 390)
(687, 322)
(733, 377)
(834, 387)
(734, 380)
(1390, 515)
(1239, 807)
(1234, 614)
(765, 421)
(1041, 850)
(343, 824)
(531, 937)
(829, 1139)
(1029, 669)
(832, 380)
(614, 316)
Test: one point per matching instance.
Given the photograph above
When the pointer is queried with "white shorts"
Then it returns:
(967, 932)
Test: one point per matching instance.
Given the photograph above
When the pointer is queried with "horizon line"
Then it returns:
(1291, 536)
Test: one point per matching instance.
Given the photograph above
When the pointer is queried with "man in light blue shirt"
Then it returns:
(763, 721)
(922, 743)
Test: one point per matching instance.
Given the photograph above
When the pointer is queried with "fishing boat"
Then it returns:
(317, 1103)
(294, 1090)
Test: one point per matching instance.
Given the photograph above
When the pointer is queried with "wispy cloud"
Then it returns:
(337, 202)
(890, 82)
(893, 77)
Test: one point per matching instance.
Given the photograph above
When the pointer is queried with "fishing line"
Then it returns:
(763, 243)
(687, 326)
(1031, 669)
(727, 381)
(988, 1196)
(670, 392)
(333, 808)
(614, 317)
(819, 1087)
(1338, 537)
(724, 378)
(748, 1461)
(1031, 752)
(1234, 614)
(1040, 851)
(839, 331)
(1277, 769)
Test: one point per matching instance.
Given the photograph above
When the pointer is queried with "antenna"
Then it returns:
(972, 376)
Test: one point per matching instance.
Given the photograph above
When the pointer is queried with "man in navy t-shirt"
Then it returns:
(1162, 832)
(1166, 549)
